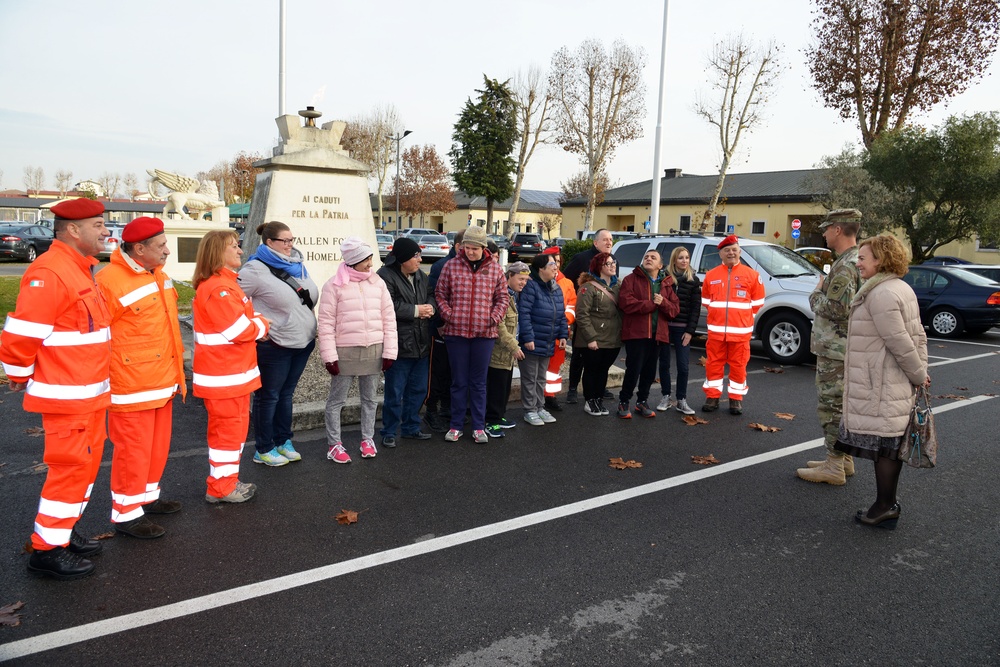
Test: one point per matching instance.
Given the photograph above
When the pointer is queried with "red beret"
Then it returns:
(552, 250)
(78, 209)
(729, 240)
(141, 229)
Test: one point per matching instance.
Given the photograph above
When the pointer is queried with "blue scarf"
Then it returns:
(292, 264)
(611, 283)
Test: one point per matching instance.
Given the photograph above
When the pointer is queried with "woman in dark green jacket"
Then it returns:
(598, 328)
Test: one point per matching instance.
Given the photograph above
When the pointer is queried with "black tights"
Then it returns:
(886, 478)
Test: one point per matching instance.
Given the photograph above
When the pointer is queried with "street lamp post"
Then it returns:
(398, 138)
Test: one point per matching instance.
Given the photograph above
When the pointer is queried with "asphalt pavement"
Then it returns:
(531, 550)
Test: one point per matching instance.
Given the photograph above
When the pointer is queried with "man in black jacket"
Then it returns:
(406, 379)
(603, 242)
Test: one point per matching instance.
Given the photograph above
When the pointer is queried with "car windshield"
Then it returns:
(780, 262)
(526, 238)
(383, 238)
(433, 238)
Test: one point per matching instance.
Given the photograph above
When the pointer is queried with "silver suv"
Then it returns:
(784, 322)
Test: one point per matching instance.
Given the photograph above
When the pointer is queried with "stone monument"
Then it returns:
(311, 185)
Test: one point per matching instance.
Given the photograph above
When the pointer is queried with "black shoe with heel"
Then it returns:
(886, 520)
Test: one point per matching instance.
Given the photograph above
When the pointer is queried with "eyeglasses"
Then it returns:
(610, 262)
(285, 241)
(550, 264)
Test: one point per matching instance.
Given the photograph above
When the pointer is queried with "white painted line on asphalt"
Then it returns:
(961, 359)
(74, 635)
(962, 342)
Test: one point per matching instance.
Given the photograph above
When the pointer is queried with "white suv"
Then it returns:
(784, 322)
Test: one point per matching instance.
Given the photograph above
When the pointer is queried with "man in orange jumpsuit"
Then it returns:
(56, 346)
(732, 293)
(147, 369)
(553, 378)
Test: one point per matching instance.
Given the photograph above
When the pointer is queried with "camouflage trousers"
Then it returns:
(830, 399)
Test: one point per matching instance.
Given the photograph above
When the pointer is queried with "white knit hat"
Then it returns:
(354, 250)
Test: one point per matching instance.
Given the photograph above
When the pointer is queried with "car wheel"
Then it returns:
(946, 323)
(786, 338)
(31, 255)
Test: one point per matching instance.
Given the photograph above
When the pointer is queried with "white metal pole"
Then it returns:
(654, 206)
(281, 58)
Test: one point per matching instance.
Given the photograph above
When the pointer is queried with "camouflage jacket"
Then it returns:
(832, 306)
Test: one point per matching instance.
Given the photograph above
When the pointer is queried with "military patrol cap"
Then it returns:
(840, 215)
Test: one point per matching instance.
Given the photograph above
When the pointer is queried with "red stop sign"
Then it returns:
(796, 223)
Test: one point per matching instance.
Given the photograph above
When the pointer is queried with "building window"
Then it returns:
(989, 244)
(757, 227)
(720, 224)
(685, 224)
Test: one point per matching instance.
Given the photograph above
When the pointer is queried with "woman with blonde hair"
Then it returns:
(680, 330)
(226, 329)
(886, 360)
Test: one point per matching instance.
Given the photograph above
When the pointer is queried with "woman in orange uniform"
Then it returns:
(226, 329)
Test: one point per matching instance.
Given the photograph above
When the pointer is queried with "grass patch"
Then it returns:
(10, 286)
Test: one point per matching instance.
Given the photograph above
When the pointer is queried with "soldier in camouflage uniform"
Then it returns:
(831, 302)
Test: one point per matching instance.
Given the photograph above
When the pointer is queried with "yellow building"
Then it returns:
(538, 212)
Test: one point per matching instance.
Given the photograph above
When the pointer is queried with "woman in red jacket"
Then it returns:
(226, 329)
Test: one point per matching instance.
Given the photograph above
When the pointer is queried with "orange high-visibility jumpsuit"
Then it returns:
(147, 369)
(732, 298)
(225, 372)
(553, 378)
(57, 341)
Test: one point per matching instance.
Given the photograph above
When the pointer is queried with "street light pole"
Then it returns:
(398, 138)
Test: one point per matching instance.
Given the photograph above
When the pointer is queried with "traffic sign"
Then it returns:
(796, 223)
(796, 233)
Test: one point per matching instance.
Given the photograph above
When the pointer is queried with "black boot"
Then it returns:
(59, 563)
(83, 546)
(142, 528)
(552, 405)
(160, 506)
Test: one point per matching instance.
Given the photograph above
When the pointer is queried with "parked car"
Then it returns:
(433, 246)
(559, 241)
(24, 242)
(991, 271)
(524, 247)
(784, 322)
(821, 258)
(945, 259)
(416, 232)
(451, 237)
(954, 301)
(616, 236)
(384, 244)
(501, 240)
(115, 240)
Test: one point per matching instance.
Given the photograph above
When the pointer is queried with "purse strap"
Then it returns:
(605, 290)
(287, 278)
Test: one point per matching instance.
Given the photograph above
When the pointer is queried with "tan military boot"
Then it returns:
(830, 471)
(848, 464)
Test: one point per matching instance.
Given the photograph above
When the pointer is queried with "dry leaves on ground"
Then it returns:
(347, 517)
(769, 369)
(709, 460)
(762, 427)
(691, 420)
(35, 431)
(961, 388)
(8, 615)
(619, 464)
(105, 536)
(784, 415)
(953, 397)
(27, 548)
(703, 360)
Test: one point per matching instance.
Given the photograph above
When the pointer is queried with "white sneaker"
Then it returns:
(533, 419)
(682, 406)
(546, 417)
(664, 404)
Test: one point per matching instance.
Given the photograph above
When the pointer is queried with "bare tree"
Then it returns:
(64, 178)
(549, 223)
(743, 74)
(1, 179)
(534, 126)
(369, 139)
(599, 104)
(110, 183)
(131, 184)
(34, 179)
(877, 61)
(576, 186)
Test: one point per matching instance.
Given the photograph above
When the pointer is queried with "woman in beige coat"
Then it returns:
(886, 359)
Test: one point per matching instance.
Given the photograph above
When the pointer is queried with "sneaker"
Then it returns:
(506, 423)
(572, 396)
(664, 404)
(682, 406)
(453, 435)
(388, 441)
(623, 412)
(546, 417)
(271, 458)
(243, 492)
(592, 407)
(608, 394)
(338, 454)
(495, 431)
(642, 409)
(288, 451)
(604, 410)
(479, 436)
(552, 404)
(368, 450)
(533, 419)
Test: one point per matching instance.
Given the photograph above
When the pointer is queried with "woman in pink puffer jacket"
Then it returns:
(357, 338)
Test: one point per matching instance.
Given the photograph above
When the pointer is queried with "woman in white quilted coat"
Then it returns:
(886, 360)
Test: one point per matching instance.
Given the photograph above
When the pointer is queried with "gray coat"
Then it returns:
(292, 324)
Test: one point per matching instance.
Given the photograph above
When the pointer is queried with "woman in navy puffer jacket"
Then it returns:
(541, 327)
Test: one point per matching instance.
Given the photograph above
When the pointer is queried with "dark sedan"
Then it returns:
(953, 301)
(24, 242)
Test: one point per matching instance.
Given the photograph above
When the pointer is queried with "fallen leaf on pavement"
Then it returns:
(347, 517)
(27, 548)
(619, 464)
(962, 388)
(762, 427)
(709, 460)
(703, 360)
(105, 536)
(953, 397)
(8, 616)
(942, 346)
(768, 369)
(784, 415)
(35, 431)
(691, 420)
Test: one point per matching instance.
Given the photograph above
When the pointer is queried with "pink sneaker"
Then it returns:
(368, 450)
(338, 454)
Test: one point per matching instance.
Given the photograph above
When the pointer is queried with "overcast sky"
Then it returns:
(128, 86)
